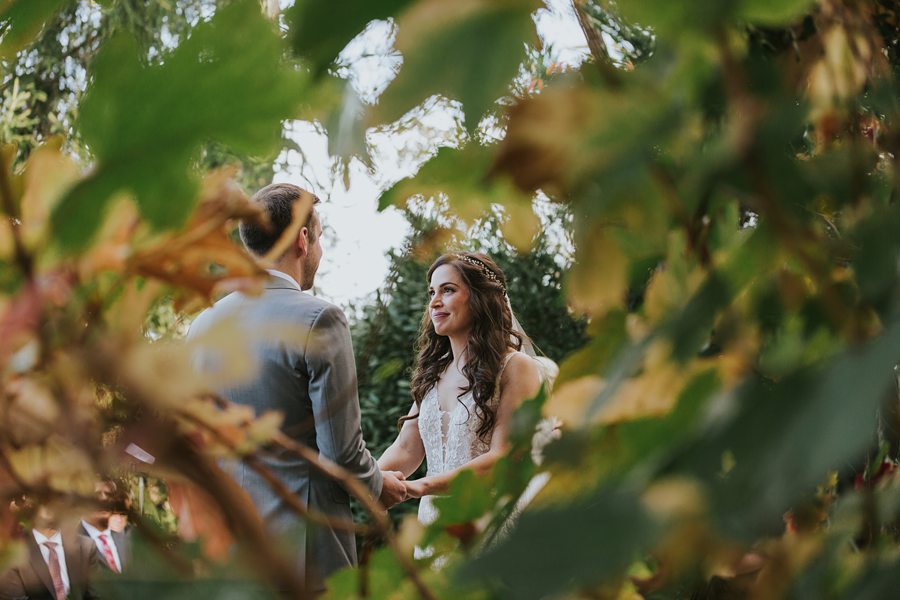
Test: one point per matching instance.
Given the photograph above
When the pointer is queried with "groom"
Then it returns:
(304, 369)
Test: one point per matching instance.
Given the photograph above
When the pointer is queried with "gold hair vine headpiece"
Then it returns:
(485, 270)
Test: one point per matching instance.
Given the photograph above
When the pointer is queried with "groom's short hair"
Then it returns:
(278, 201)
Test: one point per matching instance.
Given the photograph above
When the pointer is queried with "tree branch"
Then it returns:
(596, 45)
(277, 485)
(361, 493)
(7, 201)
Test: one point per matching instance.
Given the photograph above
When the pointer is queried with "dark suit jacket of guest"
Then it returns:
(123, 546)
(31, 579)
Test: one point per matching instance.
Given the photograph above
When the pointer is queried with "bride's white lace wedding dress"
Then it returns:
(451, 437)
(451, 440)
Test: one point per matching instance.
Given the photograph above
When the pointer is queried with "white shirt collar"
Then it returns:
(285, 276)
(94, 532)
(40, 538)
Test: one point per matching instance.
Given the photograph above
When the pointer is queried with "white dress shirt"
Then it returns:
(40, 538)
(95, 535)
(285, 276)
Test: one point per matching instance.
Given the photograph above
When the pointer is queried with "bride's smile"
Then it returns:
(449, 304)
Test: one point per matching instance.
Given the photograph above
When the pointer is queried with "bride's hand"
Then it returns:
(416, 489)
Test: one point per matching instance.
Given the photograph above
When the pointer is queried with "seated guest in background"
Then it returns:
(112, 546)
(57, 565)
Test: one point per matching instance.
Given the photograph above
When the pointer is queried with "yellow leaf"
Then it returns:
(571, 400)
(114, 240)
(651, 393)
(842, 71)
(597, 280)
(57, 463)
(198, 258)
(31, 410)
(672, 285)
(48, 175)
(521, 226)
(675, 498)
(410, 533)
(12, 552)
(127, 314)
(543, 146)
(164, 373)
(262, 429)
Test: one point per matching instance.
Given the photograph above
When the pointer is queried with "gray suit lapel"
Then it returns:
(122, 547)
(39, 568)
(74, 560)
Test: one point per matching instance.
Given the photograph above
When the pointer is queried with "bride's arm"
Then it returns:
(521, 380)
(407, 452)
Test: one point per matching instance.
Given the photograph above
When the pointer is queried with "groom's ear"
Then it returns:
(302, 243)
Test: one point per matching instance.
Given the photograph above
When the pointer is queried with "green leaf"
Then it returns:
(22, 20)
(468, 498)
(675, 18)
(322, 28)
(461, 174)
(786, 436)
(145, 124)
(608, 335)
(875, 263)
(774, 13)
(468, 50)
(343, 585)
(346, 128)
(879, 580)
(690, 328)
(636, 441)
(559, 548)
(525, 419)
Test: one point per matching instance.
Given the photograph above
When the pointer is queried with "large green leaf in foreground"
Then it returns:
(559, 548)
(144, 124)
(321, 28)
(786, 435)
(21, 21)
(467, 50)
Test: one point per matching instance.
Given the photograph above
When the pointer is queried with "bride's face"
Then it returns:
(449, 305)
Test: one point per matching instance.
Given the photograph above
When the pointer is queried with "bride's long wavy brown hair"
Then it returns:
(490, 339)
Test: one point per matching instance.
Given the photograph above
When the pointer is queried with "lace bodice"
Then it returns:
(451, 438)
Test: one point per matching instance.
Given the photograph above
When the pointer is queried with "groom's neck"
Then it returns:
(289, 268)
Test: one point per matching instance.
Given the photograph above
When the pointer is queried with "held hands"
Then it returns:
(417, 488)
(396, 489)
(393, 490)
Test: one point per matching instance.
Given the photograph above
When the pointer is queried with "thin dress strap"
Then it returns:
(500, 375)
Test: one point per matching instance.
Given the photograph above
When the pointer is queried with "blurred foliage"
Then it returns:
(728, 175)
(54, 68)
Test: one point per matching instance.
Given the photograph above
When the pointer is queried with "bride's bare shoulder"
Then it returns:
(521, 367)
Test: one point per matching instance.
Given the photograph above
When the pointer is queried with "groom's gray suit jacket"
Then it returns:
(306, 370)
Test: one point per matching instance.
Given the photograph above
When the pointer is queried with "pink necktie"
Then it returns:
(108, 553)
(55, 572)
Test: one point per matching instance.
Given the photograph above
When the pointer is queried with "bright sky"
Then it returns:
(357, 236)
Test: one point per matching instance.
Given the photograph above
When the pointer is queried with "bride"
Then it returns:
(470, 376)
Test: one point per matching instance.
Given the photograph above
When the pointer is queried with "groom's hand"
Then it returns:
(393, 489)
